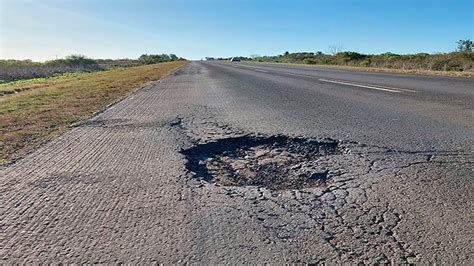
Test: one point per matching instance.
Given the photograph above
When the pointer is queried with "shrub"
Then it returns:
(389, 55)
(309, 61)
(365, 63)
(146, 59)
(350, 56)
(455, 61)
(16, 69)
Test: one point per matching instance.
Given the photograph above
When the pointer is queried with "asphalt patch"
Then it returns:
(274, 162)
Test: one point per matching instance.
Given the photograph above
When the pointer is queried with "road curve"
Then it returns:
(117, 189)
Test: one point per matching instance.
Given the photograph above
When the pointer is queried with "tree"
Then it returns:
(465, 45)
(287, 53)
(146, 59)
(173, 57)
(335, 49)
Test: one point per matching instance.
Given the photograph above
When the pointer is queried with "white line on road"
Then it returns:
(362, 86)
(377, 87)
(356, 84)
(385, 87)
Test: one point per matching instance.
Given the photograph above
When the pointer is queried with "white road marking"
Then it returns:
(352, 83)
(356, 84)
(385, 87)
(362, 86)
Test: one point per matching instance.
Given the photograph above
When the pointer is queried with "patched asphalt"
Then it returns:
(210, 165)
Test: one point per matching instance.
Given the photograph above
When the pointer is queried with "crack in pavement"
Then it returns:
(115, 189)
(349, 224)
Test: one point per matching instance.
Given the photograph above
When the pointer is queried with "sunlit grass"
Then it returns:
(34, 111)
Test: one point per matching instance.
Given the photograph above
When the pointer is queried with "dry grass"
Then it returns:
(35, 111)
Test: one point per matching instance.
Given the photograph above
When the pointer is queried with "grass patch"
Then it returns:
(33, 112)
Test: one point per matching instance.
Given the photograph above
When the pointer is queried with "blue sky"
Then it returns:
(42, 30)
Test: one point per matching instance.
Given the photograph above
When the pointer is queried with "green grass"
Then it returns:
(34, 111)
(26, 84)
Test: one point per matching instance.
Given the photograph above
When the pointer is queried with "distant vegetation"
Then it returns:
(16, 69)
(460, 60)
(147, 59)
(26, 69)
(116, 63)
(464, 46)
(455, 61)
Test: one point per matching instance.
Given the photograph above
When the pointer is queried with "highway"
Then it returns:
(396, 110)
(119, 187)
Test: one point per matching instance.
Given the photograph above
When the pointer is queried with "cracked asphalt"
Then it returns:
(116, 189)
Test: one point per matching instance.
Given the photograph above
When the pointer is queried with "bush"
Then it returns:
(147, 59)
(365, 63)
(389, 55)
(16, 69)
(350, 56)
(455, 61)
(24, 69)
(309, 61)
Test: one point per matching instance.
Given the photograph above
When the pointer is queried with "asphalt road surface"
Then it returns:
(118, 188)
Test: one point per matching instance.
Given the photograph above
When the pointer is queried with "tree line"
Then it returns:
(462, 59)
(11, 69)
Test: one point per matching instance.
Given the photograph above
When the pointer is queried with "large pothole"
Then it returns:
(276, 162)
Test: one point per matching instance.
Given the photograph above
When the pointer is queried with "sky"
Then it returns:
(45, 29)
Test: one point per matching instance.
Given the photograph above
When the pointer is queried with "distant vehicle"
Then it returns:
(235, 59)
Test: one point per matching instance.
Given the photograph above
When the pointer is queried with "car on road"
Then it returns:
(235, 59)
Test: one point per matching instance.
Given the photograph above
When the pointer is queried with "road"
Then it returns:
(118, 188)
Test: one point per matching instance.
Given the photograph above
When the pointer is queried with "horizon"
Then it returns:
(45, 30)
(205, 58)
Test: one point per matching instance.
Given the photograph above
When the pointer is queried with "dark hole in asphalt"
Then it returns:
(275, 162)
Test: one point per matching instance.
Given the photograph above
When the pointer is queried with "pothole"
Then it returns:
(275, 162)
